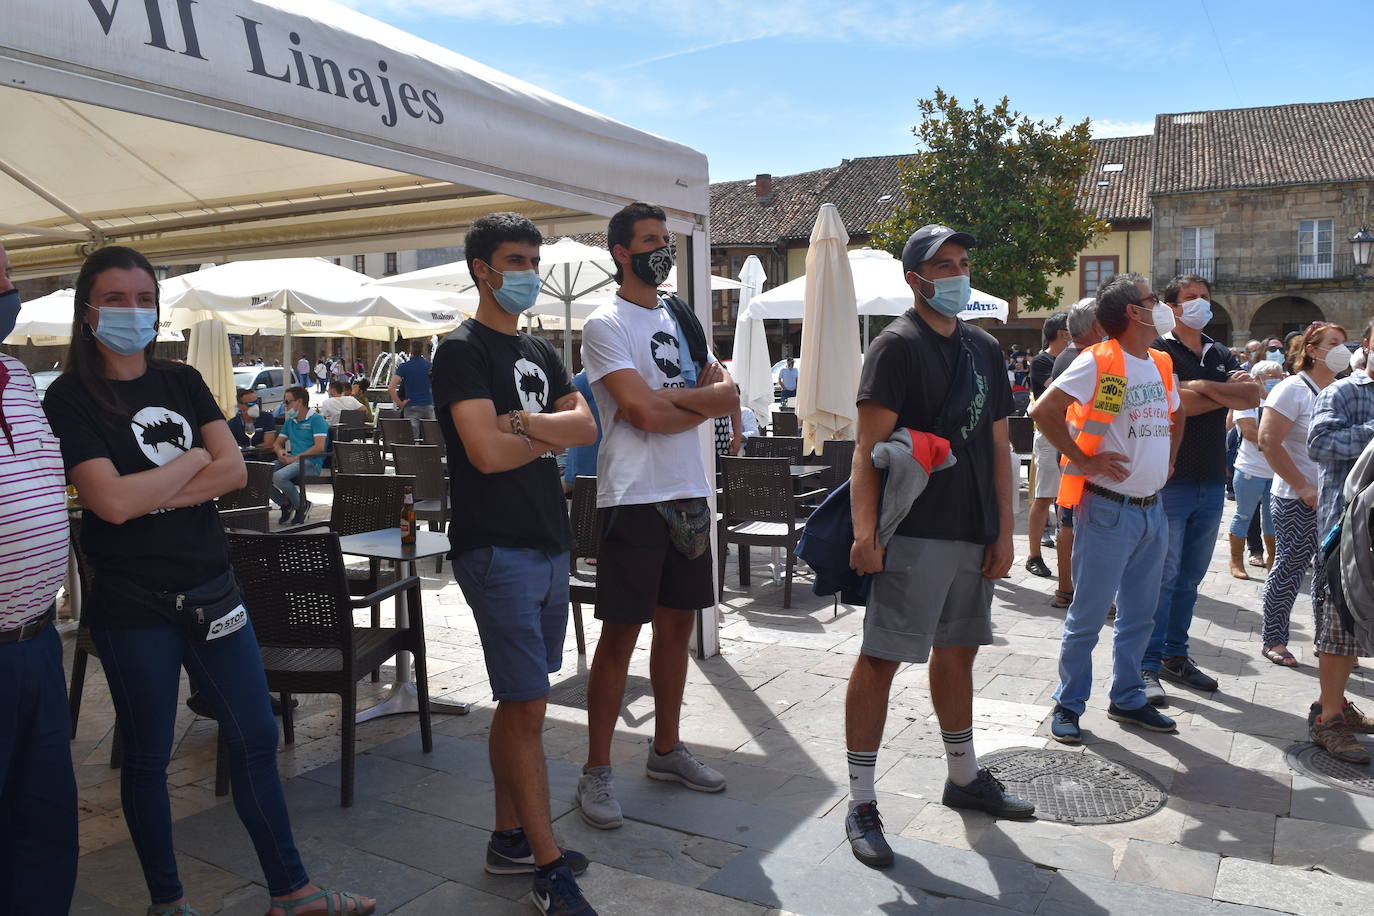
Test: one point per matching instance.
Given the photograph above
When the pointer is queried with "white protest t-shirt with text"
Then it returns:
(1140, 431)
(634, 466)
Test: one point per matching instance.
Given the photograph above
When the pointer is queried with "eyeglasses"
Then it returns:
(1148, 302)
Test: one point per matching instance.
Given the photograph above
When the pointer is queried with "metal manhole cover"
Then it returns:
(1312, 760)
(1075, 788)
(573, 691)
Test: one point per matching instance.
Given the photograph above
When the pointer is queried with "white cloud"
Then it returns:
(1107, 127)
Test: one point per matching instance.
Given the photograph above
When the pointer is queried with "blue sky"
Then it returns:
(784, 86)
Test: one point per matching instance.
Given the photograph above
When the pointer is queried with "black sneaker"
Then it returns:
(1036, 567)
(1064, 726)
(1181, 670)
(199, 705)
(1146, 717)
(986, 793)
(865, 828)
(302, 512)
(285, 514)
(1047, 541)
(559, 895)
(519, 858)
(1154, 693)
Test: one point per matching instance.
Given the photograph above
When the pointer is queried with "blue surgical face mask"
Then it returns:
(951, 294)
(1271, 383)
(1274, 354)
(125, 330)
(9, 314)
(519, 289)
(1196, 313)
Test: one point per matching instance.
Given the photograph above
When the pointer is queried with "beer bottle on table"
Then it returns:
(408, 517)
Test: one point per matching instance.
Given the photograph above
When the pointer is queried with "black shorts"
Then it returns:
(639, 570)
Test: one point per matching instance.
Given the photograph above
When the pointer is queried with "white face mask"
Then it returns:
(1196, 313)
(1338, 358)
(1163, 318)
(253, 412)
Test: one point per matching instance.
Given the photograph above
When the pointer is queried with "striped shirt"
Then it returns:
(33, 506)
(1342, 425)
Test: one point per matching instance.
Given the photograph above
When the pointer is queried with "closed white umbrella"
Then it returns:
(751, 366)
(47, 321)
(828, 382)
(208, 354)
(880, 288)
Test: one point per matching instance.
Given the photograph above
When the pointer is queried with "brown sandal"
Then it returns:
(1061, 598)
(1284, 659)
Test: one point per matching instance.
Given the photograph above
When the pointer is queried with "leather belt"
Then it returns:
(1143, 502)
(27, 631)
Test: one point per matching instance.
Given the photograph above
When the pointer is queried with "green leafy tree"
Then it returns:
(1011, 182)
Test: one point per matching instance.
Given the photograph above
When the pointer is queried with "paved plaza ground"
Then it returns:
(1240, 833)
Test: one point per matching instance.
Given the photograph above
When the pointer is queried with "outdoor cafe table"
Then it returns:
(386, 545)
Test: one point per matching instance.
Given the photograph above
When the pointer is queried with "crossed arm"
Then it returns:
(672, 410)
(493, 447)
(193, 477)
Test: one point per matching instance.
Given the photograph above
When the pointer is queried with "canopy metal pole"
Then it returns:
(865, 322)
(286, 362)
(567, 318)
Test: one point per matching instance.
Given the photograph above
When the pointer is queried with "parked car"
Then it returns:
(268, 381)
(41, 380)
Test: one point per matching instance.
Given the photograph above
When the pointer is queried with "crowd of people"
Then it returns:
(1132, 405)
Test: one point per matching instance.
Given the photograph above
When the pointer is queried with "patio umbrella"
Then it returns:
(751, 367)
(208, 353)
(47, 322)
(829, 380)
(880, 288)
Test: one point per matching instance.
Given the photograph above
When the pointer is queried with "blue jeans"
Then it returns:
(1194, 510)
(1118, 554)
(1251, 493)
(38, 836)
(143, 667)
(285, 493)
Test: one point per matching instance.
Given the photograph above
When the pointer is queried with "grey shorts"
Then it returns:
(1047, 473)
(930, 593)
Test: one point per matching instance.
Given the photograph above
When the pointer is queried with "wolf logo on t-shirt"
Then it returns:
(663, 347)
(161, 433)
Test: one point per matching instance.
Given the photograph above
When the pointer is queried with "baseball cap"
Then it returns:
(924, 242)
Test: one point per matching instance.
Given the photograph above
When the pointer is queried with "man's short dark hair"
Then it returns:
(240, 392)
(621, 230)
(336, 386)
(1057, 322)
(1172, 288)
(298, 393)
(486, 233)
(417, 348)
(1114, 299)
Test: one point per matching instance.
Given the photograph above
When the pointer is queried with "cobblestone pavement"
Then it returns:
(1240, 832)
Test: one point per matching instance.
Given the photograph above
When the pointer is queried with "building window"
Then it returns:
(391, 267)
(1314, 249)
(360, 263)
(1093, 272)
(1197, 252)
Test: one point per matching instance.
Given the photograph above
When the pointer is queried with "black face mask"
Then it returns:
(652, 266)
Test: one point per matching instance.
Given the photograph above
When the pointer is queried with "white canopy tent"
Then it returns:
(880, 288)
(203, 132)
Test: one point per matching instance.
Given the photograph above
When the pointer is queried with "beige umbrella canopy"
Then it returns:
(829, 379)
(208, 353)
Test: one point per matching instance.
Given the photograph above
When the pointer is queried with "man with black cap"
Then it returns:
(932, 599)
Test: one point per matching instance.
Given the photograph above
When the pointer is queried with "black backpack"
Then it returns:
(1345, 573)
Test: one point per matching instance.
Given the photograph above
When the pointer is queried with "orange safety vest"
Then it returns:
(1088, 423)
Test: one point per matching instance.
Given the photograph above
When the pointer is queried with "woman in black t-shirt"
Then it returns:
(148, 451)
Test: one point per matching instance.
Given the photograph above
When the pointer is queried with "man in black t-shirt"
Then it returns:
(506, 405)
(932, 597)
(1210, 381)
(1044, 455)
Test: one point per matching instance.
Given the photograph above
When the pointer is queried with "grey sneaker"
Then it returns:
(597, 800)
(681, 765)
(864, 826)
(1154, 692)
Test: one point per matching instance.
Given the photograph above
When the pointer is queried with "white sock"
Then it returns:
(862, 766)
(960, 756)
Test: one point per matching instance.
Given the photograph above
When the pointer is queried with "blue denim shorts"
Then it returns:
(519, 598)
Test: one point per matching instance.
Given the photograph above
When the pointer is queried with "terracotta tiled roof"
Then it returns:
(1314, 143)
(1119, 194)
(863, 190)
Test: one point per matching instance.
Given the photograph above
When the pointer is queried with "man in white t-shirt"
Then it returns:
(1121, 396)
(337, 403)
(653, 561)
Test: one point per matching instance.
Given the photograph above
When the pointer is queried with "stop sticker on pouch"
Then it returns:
(1111, 393)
